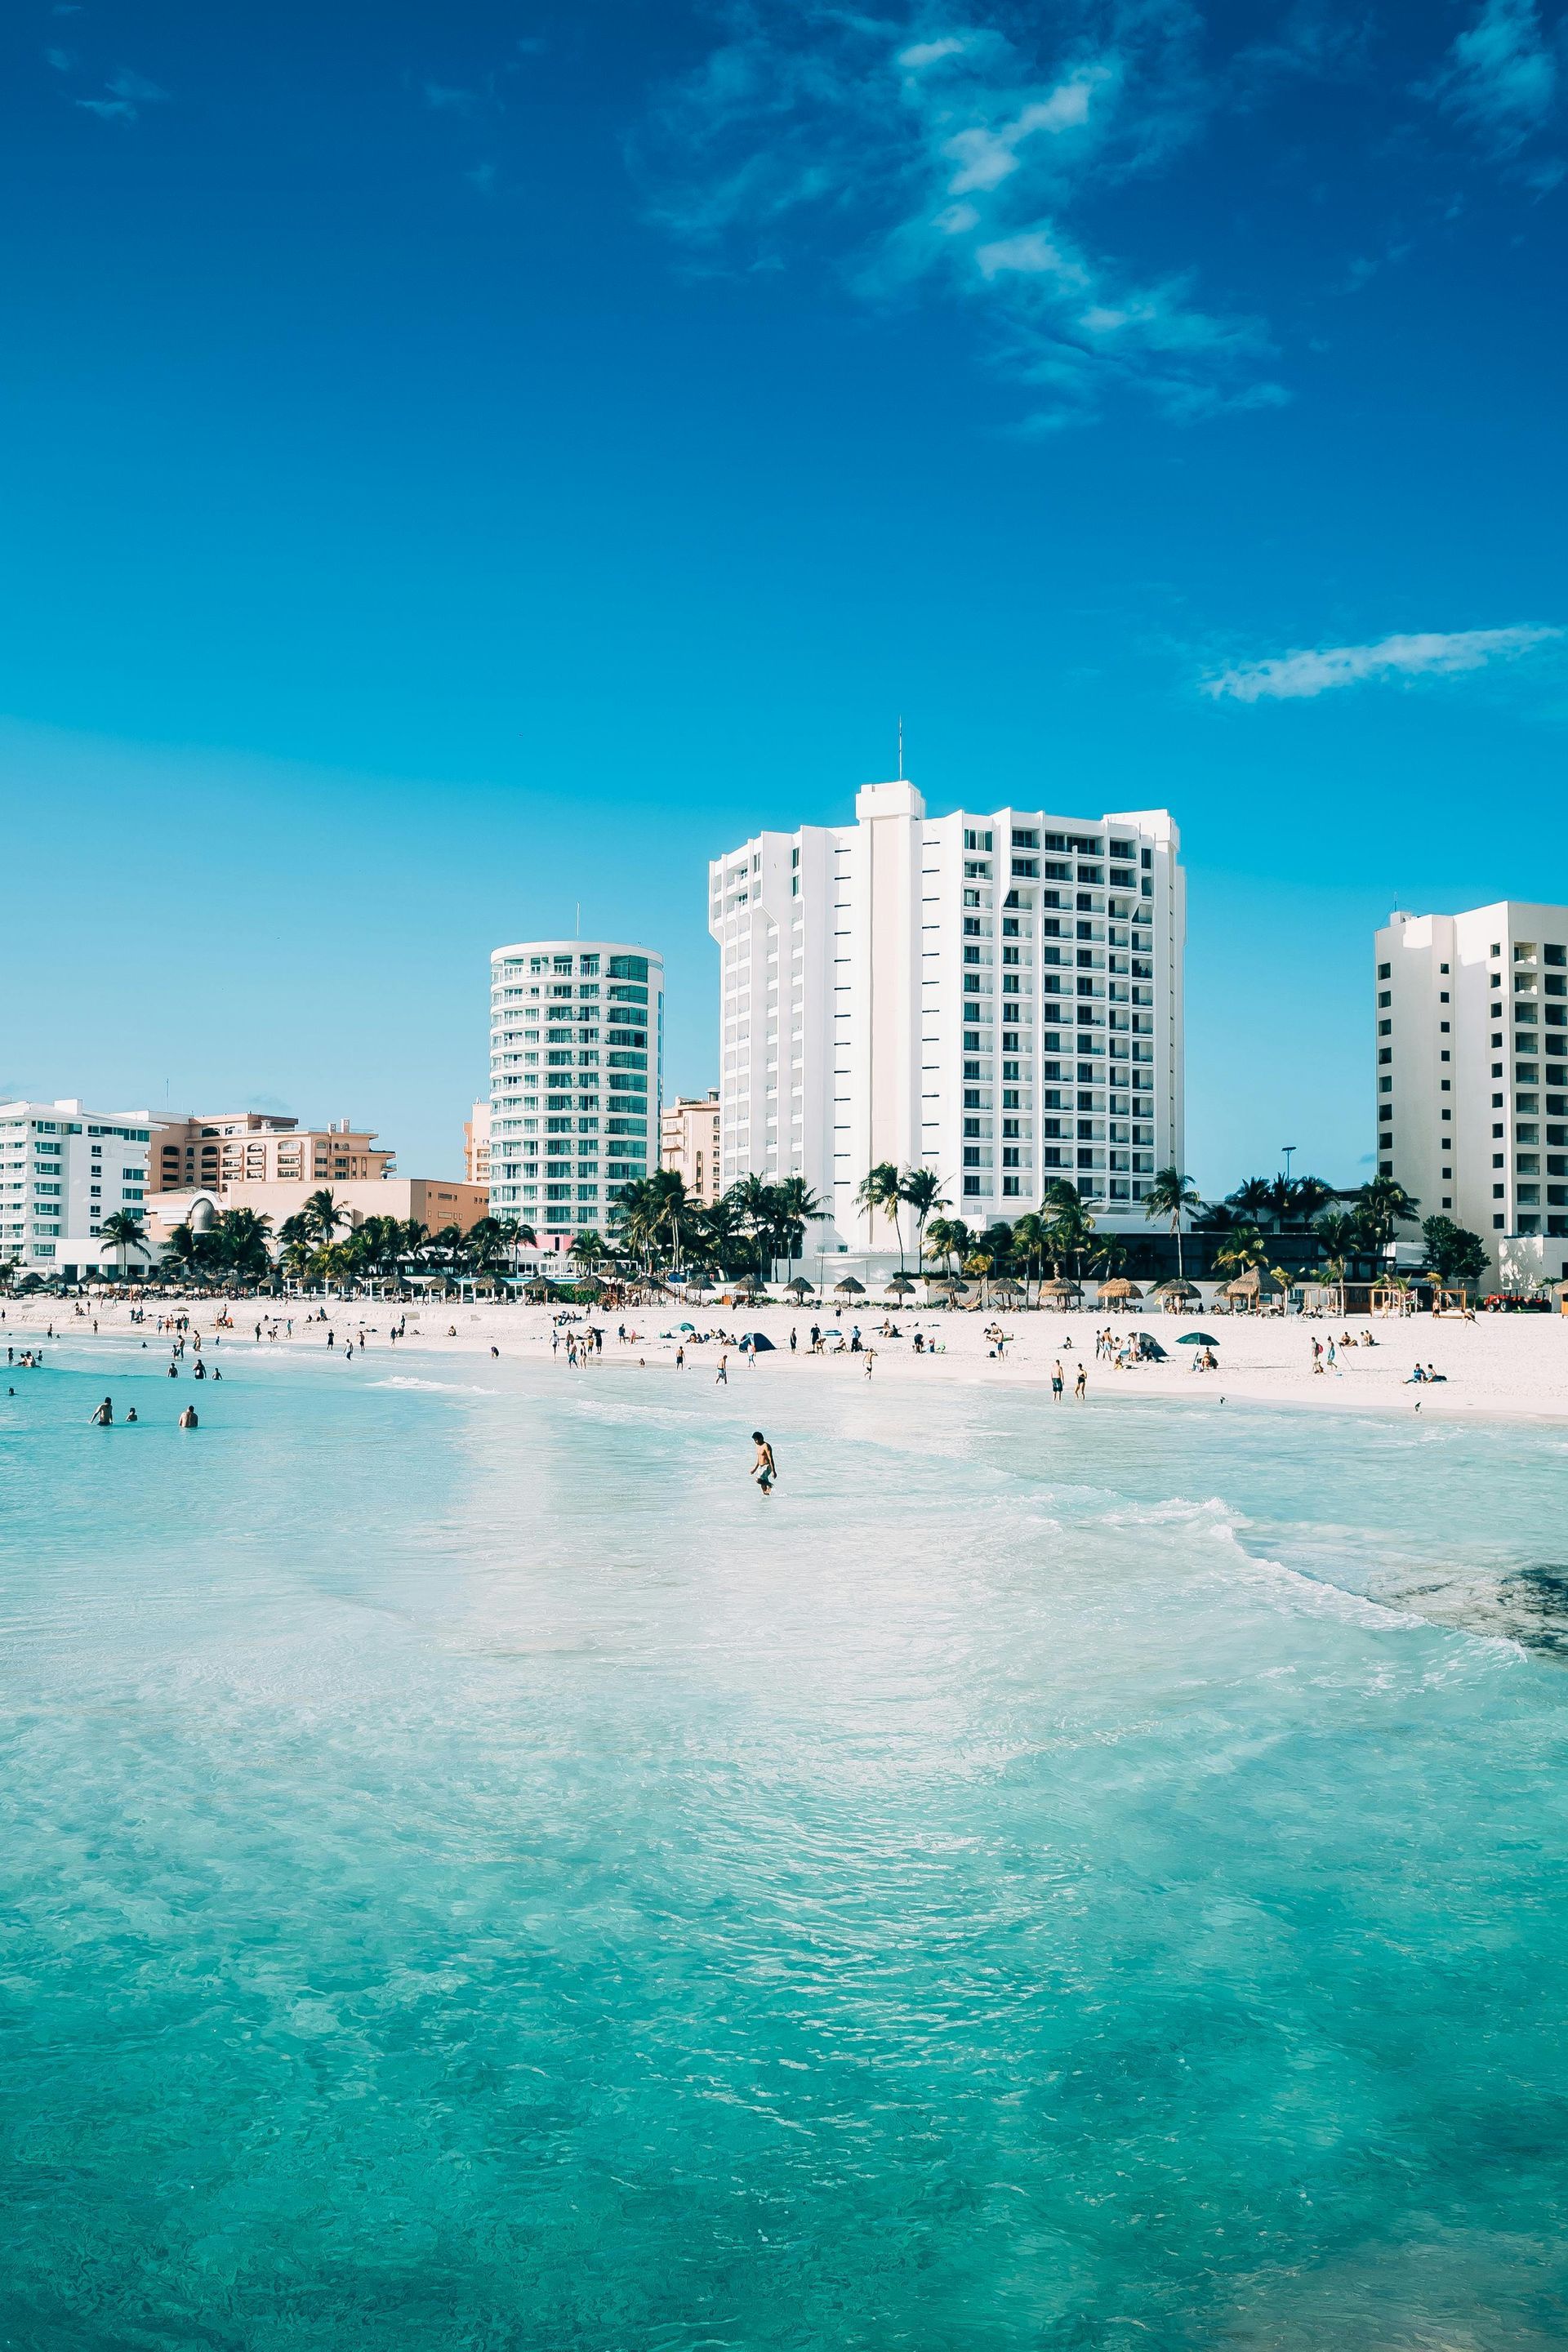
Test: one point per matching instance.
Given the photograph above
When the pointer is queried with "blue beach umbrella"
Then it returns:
(1197, 1339)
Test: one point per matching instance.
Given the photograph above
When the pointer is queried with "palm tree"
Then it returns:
(879, 1188)
(1171, 1194)
(1253, 1200)
(124, 1231)
(947, 1238)
(1380, 1206)
(323, 1216)
(921, 1190)
(798, 1207)
(1337, 1233)
(238, 1244)
(1068, 1225)
(587, 1248)
(1031, 1240)
(754, 1197)
(182, 1251)
(1240, 1252)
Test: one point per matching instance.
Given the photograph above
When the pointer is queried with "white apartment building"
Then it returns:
(688, 1143)
(994, 996)
(64, 1169)
(576, 1078)
(1472, 1074)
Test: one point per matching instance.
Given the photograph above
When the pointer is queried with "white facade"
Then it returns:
(1472, 1073)
(576, 1078)
(64, 1169)
(995, 997)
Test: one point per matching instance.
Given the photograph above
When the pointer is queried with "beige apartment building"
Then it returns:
(688, 1142)
(432, 1201)
(224, 1149)
(477, 1144)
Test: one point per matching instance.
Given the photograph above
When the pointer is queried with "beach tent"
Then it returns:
(1152, 1351)
(1174, 1294)
(758, 1341)
(1113, 1291)
(1248, 1288)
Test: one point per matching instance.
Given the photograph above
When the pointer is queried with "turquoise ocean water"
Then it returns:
(474, 1874)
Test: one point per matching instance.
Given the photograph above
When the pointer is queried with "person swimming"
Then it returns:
(765, 1469)
(102, 1416)
(188, 1418)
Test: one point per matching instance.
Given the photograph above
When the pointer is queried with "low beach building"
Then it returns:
(430, 1201)
(1471, 1043)
(63, 1169)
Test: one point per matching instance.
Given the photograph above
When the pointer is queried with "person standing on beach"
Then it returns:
(765, 1469)
(680, 1357)
(1080, 1387)
(721, 1377)
(1058, 1382)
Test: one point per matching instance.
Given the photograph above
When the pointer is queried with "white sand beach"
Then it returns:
(1514, 1365)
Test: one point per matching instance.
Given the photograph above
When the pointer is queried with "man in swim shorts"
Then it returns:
(765, 1469)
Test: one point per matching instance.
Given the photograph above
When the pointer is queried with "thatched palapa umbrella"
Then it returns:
(1117, 1290)
(849, 1288)
(799, 1284)
(900, 1287)
(1060, 1292)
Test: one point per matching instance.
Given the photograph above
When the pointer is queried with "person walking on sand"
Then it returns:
(680, 1357)
(765, 1469)
(1058, 1382)
(721, 1377)
(1080, 1387)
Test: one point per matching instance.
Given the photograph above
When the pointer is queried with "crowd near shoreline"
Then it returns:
(1511, 1365)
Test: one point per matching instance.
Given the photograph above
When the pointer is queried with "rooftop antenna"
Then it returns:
(1287, 1148)
(901, 747)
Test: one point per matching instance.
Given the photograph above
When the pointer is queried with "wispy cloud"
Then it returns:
(1501, 77)
(1296, 677)
(931, 148)
(128, 94)
(447, 100)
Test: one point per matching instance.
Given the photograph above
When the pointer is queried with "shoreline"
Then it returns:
(1501, 1368)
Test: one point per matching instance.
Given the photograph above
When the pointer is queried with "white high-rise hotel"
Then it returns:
(1472, 1073)
(576, 1047)
(995, 997)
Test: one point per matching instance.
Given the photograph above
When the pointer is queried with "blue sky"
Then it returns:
(458, 463)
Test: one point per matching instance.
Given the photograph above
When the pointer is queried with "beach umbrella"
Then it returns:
(686, 1326)
(1175, 1289)
(1058, 1290)
(1007, 1289)
(800, 1285)
(900, 1285)
(758, 1341)
(849, 1287)
(1197, 1339)
(1118, 1289)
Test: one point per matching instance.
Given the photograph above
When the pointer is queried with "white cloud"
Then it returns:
(1501, 77)
(129, 92)
(945, 152)
(1296, 677)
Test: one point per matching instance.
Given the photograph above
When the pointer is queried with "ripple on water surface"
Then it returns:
(476, 1875)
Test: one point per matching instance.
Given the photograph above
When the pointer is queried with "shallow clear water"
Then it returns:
(473, 1873)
